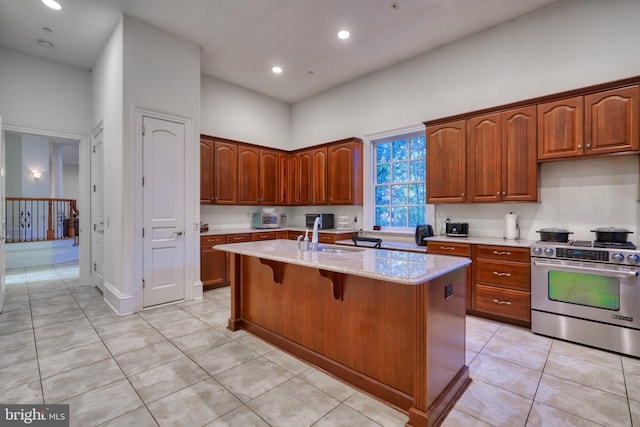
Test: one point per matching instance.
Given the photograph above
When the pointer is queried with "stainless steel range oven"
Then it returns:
(586, 294)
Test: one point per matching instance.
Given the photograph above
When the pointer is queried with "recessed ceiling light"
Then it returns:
(52, 4)
(276, 69)
(343, 35)
(45, 43)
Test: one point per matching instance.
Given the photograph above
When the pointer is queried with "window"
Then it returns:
(399, 171)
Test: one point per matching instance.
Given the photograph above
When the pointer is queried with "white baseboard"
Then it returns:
(121, 303)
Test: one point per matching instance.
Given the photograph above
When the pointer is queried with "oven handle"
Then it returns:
(590, 269)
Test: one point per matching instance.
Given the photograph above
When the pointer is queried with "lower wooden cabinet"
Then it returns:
(455, 249)
(213, 263)
(502, 283)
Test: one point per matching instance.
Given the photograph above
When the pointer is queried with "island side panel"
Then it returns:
(235, 280)
(441, 373)
(370, 331)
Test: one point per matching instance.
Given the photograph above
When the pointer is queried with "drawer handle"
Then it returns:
(501, 253)
(238, 238)
(447, 248)
(502, 302)
(497, 273)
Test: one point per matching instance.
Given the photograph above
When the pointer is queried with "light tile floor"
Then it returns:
(179, 366)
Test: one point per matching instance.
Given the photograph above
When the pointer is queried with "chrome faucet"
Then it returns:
(314, 236)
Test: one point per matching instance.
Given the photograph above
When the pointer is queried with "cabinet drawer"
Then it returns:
(212, 240)
(326, 238)
(506, 253)
(503, 302)
(265, 235)
(515, 275)
(235, 238)
(447, 248)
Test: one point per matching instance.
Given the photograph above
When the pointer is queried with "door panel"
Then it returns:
(97, 210)
(2, 220)
(163, 211)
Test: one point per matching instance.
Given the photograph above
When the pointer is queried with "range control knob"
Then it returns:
(617, 257)
(633, 259)
(537, 251)
(548, 252)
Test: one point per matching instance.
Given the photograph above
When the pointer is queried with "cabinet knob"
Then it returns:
(497, 193)
(588, 145)
(462, 195)
(504, 193)
(579, 145)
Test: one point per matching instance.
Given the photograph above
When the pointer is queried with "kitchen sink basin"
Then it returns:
(334, 250)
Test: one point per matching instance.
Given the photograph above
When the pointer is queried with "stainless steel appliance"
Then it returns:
(457, 229)
(266, 220)
(326, 221)
(587, 292)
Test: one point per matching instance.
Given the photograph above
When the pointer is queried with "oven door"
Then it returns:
(587, 290)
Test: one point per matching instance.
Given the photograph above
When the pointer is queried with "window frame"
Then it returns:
(370, 183)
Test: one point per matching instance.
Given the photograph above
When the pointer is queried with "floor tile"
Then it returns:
(506, 375)
(530, 357)
(217, 318)
(74, 339)
(223, 357)
(253, 378)
(79, 380)
(242, 416)
(63, 328)
(586, 402)
(17, 354)
(631, 365)
(122, 328)
(140, 417)
(134, 341)
(494, 405)
(166, 379)
(580, 352)
(140, 360)
(293, 404)
(19, 374)
(181, 327)
(587, 373)
(55, 318)
(163, 315)
(484, 326)
(344, 416)
(633, 386)
(201, 340)
(24, 393)
(195, 405)
(254, 343)
(377, 411)
(475, 341)
(516, 334)
(16, 339)
(634, 407)
(73, 358)
(542, 416)
(325, 382)
(286, 361)
(457, 418)
(102, 404)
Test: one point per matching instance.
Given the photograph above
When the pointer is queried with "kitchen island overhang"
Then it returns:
(390, 323)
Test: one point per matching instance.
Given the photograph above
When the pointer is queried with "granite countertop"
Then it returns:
(407, 268)
(263, 230)
(482, 241)
(388, 245)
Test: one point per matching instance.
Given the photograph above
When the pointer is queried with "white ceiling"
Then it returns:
(242, 39)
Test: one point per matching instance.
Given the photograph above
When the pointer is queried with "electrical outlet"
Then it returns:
(355, 219)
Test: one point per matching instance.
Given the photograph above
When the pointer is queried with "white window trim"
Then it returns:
(369, 179)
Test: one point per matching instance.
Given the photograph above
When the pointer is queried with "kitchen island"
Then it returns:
(390, 323)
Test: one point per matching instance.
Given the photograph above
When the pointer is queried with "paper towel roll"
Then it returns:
(511, 231)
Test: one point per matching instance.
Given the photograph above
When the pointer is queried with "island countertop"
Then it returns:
(392, 266)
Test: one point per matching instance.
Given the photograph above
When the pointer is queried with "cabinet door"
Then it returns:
(484, 158)
(561, 128)
(319, 185)
(446, 163)
(225, 173)
(248, 164)
(268, 177)
(206, 171)
(305, 162)
(344, 174)
(612, 120)
(213, 263)
(519, 161)
(288, 181)
(263, 235)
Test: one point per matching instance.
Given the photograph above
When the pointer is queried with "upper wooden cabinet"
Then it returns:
(206, 171)
(612, 120)
(289, 189)
(561, 128)
(257, 176)
(225, 173)
(501, 156)
(446, 162)
(313, 176)
(344, 173)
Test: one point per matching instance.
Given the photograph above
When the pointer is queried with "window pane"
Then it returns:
(416, 215)
(383, 216)
(383, 174)
(417, 194)
(418, 170)
(383, 152)
(400, 150)
(383, 195)
(399, 216)
(401, 172)
(418, 148)
(399, 195)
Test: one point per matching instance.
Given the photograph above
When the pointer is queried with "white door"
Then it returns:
(97, 210)
(3, 215)
(163, 196)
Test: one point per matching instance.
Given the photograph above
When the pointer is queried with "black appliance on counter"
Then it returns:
(326, 221)
(422, 231)
(457, 229)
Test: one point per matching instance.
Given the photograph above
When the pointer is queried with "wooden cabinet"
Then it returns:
(284, 234)
(257, 176)
(612, 119)
(501, 156)
(561, 128)
(289, 180)
(502, 283)
(263, 235)
(239, 237)
(213, 263)
(206, 171)
(454, 249)
(446, 162)
(313, 176)
(225, 173)
(344, 173)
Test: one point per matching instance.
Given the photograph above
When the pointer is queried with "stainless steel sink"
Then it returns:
(335, 250)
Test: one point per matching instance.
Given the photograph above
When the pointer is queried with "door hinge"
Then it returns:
(95, 267)
(94, 188)
(94, 148)
(143, 130)
(143, 181)
(143, 284)
(143, 232)
(95, 227)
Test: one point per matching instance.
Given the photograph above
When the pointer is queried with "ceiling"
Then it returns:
(242, 39)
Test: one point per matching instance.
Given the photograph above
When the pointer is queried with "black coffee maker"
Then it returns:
(422, 231)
